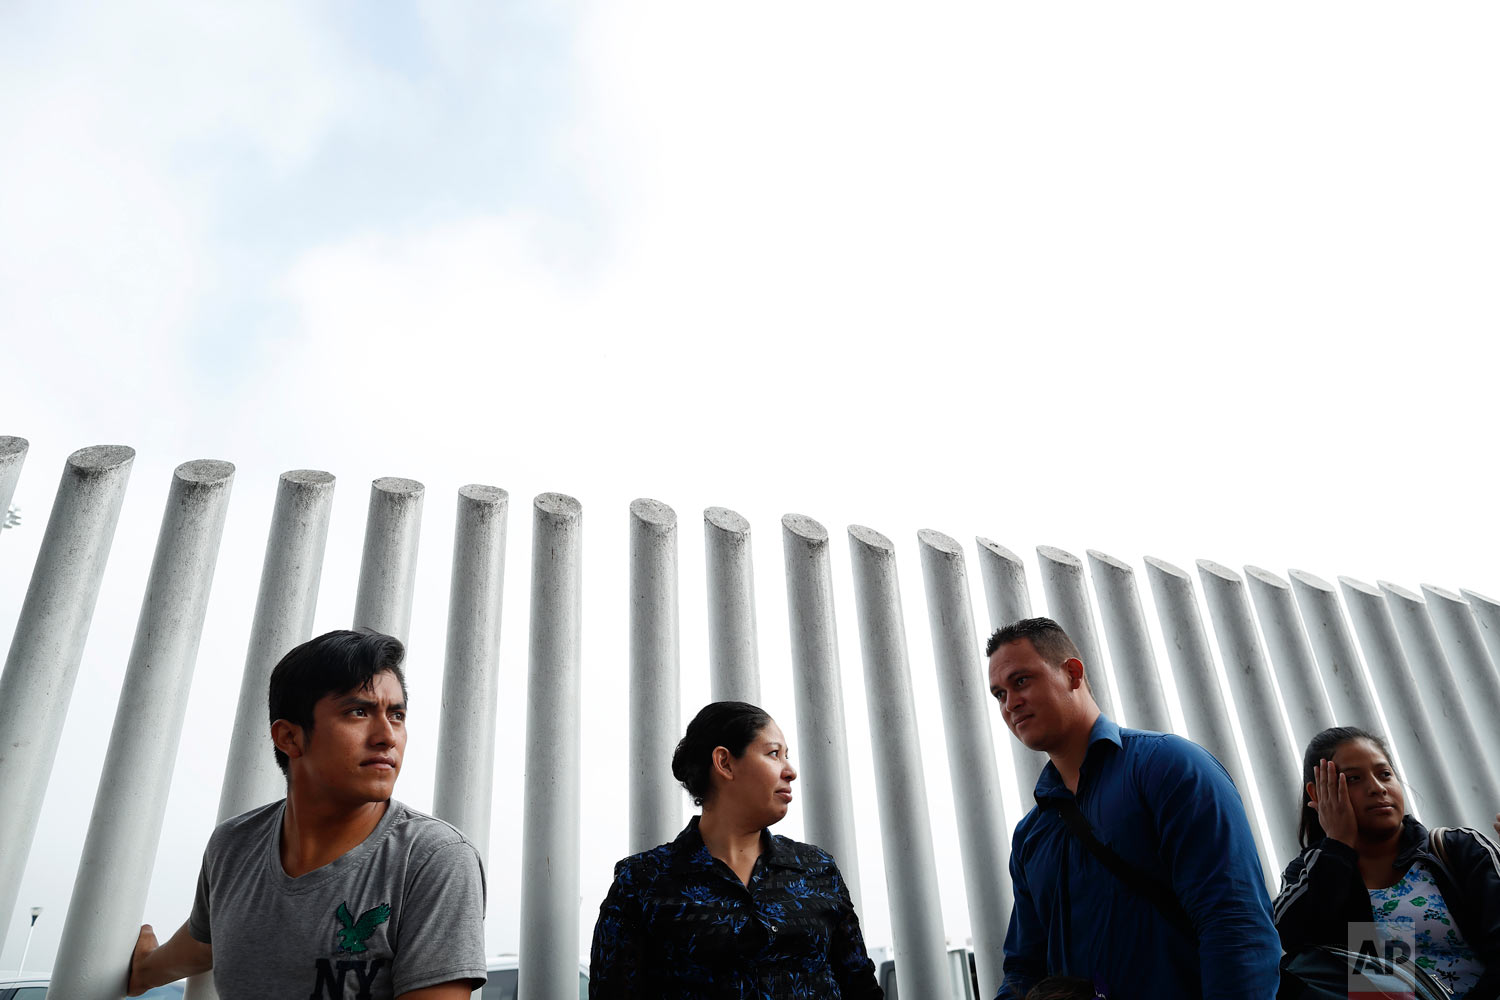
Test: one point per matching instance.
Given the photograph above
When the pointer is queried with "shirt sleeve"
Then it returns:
(442, 929)
(1309, 908)
(1025, 939)
(852, 968)
(615, 958)
(1209, 851)
(199, 924)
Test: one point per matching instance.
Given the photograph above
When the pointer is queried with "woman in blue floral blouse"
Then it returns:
(727, 909)
(1366, 861)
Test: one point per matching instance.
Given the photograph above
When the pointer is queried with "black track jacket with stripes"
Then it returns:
(1322, 892)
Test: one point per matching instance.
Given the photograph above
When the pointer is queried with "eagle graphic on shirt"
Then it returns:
(353, 933)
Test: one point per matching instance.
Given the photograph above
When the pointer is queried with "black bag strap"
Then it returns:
(1159, 895)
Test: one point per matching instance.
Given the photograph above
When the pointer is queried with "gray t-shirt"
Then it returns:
(403, 910)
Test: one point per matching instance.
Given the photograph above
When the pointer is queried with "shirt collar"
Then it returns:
(690, 853)
(1105, 730)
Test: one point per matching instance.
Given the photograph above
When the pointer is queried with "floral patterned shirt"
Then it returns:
(678, 923)
(1413, 908)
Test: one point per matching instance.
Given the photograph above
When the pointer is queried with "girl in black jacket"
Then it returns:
(1365, 860)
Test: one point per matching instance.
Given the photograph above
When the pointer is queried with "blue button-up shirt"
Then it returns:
(1170, 809)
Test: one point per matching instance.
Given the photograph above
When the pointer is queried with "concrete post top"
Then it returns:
(312, 478)
(805, 528)
(1052, 554)
(1359, 586)
(1309, 580)
(998, 550)
(939, 542)
(871, 539)
(486, 495)
(12, 446)
(98, 459)
(206, 472)
(1165, 568)
(1266, 577)
(398, 487)
(726, 520)
(653, 513)
(1432, 590)
(1396, 590)
(1474, 597)
(1109, 562)
(1210, 568)
(558, 506)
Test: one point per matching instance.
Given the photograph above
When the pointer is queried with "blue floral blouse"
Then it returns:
(678, 923)
(1414, 909)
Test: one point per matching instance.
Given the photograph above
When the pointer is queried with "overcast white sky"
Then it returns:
(1161, 278)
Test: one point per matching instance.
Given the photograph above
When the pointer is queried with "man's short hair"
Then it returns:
(332, 663)
(1046, 636)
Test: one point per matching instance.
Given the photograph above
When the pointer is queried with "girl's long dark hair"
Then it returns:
(1322, 747)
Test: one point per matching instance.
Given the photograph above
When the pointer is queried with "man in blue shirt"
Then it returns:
(1160, 802)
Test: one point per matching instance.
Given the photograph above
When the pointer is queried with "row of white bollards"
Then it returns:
(1308, 671)
(1415, 746)
(1463, 753)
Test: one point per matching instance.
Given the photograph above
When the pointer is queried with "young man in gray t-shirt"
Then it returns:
(338, 891)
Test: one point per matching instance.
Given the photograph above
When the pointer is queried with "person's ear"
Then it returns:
(721, 762)
(1312, 794)
(1073, 667)
(288, 738)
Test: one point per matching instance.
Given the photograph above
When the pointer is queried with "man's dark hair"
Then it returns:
(1046, 637)
(332, 663)
(728, 724)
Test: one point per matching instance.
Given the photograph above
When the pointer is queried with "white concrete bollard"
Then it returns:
(1276, 762)
(905, 825)
(1432, 790)
(733, 662)
(1487, 614)
(964, 692)
(1475, 675)
(1205, 704)
(655, 726)
(47, 646)
(465, 781)
(550, 836)
(1349, 695)
(1307, 706)
(1463, 751)
(1130, 650)
(1068, 604)
(1008, 601)
(820, 694)
(12, 457)
(109, 893)
(284, 611)
(388, 566)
